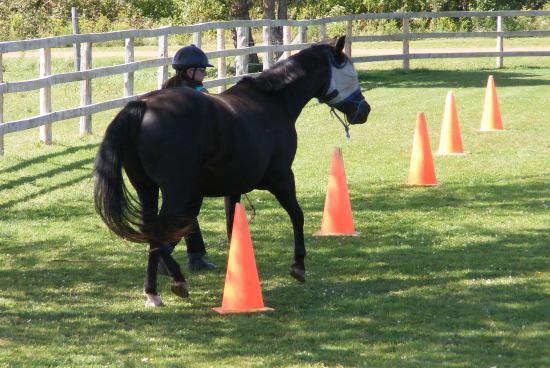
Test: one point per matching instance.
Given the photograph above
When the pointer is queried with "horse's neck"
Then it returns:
(292, 97)
(299, 92)
(298, 95)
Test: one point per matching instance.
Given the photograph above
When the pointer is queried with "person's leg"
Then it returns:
(196, 250)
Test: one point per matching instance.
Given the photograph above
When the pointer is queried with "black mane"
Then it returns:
(287, 71)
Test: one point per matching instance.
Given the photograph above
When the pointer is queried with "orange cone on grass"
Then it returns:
(421, 171)
(450, 141)
(242, 292)
(491, 119)
(337, 216)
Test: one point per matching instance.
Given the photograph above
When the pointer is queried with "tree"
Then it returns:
(240, 10)
(282, 13)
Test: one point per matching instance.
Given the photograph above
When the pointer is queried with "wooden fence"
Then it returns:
(87, 73)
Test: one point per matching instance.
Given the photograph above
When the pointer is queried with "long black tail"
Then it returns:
(120, 211)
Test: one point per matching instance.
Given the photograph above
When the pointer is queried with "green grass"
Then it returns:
(454, 275)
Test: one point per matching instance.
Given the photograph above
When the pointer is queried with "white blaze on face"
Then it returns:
(343, 79)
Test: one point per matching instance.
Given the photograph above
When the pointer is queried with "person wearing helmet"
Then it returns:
(190, 63)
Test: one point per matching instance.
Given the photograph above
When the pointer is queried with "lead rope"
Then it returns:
(344, 124)
(253, 209)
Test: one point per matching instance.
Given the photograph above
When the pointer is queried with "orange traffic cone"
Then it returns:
(491, 119)
(337, 217)
(421, 171)
(450, 141)
(242, 292)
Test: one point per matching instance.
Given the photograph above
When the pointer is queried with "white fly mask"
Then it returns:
(344, 83)
(342, 93)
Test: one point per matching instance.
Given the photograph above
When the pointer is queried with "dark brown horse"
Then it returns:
(192, 145)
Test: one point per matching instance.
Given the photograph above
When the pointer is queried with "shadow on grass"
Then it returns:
(41, 159)
(47, 166)
(401, 289)
(450, 304)
(41, 192)
(424, 78)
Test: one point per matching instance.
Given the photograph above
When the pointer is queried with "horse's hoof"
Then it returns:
(153, 301)
(180, 289)
(298, 273)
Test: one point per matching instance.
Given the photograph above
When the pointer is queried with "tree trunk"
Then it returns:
(269, 13)
(282, 13)
(269, 9)
(239, 10)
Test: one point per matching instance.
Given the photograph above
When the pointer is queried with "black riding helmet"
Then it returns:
(190, 57)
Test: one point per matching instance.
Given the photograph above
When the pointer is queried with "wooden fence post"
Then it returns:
(1, 106)
(302, 34)
(241, 61)
(500, 43)
(220, 46)
(286, 41)
(322, 32)
(162, 53)
(349, 35)
(268, 55)
(197, 39)
(86, 90)
(76, 30)
(129, 58)
(46, 94)
(406, 61)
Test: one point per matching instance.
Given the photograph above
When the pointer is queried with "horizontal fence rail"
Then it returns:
(268, 50)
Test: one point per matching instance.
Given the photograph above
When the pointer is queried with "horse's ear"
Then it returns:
(340, 45)
(338, 50)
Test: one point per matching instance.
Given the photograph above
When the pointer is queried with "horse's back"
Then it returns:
(204, 140)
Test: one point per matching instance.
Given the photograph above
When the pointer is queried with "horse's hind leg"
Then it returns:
(285, 192)
(173, 222)
(148, 192)
(178, 285)
(150, 285)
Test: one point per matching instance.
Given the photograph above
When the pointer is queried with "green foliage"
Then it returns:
(155, 9)
(198, 11)
(24, 19)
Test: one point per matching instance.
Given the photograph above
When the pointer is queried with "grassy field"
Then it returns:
(455, 275)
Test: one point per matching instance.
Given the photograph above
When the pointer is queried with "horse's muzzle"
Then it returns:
(355, 107)
(357, 111)
(361, 114)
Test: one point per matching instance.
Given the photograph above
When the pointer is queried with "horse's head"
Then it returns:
(342, 90)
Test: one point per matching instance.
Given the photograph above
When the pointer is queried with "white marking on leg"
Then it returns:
(153, 301)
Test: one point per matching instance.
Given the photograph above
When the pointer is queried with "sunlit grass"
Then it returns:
(455, 275)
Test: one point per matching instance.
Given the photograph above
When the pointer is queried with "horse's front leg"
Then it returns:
(285, 192)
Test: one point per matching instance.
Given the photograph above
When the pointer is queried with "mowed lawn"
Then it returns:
(455, 275)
